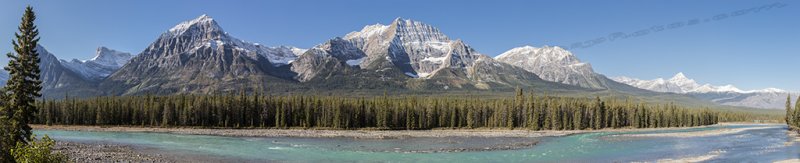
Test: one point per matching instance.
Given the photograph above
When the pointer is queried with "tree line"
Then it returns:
(381, 112)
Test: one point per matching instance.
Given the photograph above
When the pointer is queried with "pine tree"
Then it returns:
(598, 114)
(166, 117)
(23, 85)
(578, 119)
(789, 113)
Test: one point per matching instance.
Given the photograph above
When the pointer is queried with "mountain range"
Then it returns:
(771, 98)
(198, 57)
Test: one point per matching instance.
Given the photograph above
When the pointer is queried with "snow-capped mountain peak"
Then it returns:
(104, 62)
(109, 57)
(681, 81)
(187, 25)
(555, 64)
(367, 31)
(680, 77)
(203, 33)
(414, 46)
(412, 31)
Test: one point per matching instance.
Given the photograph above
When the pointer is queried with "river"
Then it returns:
(751, 143)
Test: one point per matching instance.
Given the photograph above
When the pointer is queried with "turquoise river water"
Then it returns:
(759, 143)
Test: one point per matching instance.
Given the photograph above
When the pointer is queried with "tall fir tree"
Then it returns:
(789, 113)
(23, 85)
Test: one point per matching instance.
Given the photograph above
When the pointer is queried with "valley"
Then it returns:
(372, 82)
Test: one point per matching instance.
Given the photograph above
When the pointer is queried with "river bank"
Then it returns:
(358, 134)
(98, 152)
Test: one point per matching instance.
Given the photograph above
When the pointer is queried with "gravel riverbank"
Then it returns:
(358, 134)
(85, 152)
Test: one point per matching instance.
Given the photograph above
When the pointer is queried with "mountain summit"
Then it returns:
(555, 64)
(204, 23)
(105, 62)
(198, 56)
(418, 49)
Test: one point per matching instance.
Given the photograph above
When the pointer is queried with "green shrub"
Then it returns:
(39, 151)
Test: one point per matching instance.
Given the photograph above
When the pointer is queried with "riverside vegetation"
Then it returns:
(382, 112)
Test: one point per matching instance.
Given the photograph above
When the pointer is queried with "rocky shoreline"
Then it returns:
(86, 152)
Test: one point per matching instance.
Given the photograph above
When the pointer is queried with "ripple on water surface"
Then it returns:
(760, 145)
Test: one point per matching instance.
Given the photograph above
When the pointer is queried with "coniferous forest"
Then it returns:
(382, 112)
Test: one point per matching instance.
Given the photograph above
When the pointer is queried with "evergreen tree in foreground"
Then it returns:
(18, 99)
(23, 85)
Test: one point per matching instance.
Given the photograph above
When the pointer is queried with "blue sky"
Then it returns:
(753, 50)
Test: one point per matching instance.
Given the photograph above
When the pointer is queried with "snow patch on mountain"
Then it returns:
(355, 62)
(298, 51)
(435, 59)
(409, 74)
(280, 55)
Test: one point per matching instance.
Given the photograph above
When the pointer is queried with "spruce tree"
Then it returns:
(598, 114)
(789, 113)
(578, 119)
(23, 85)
